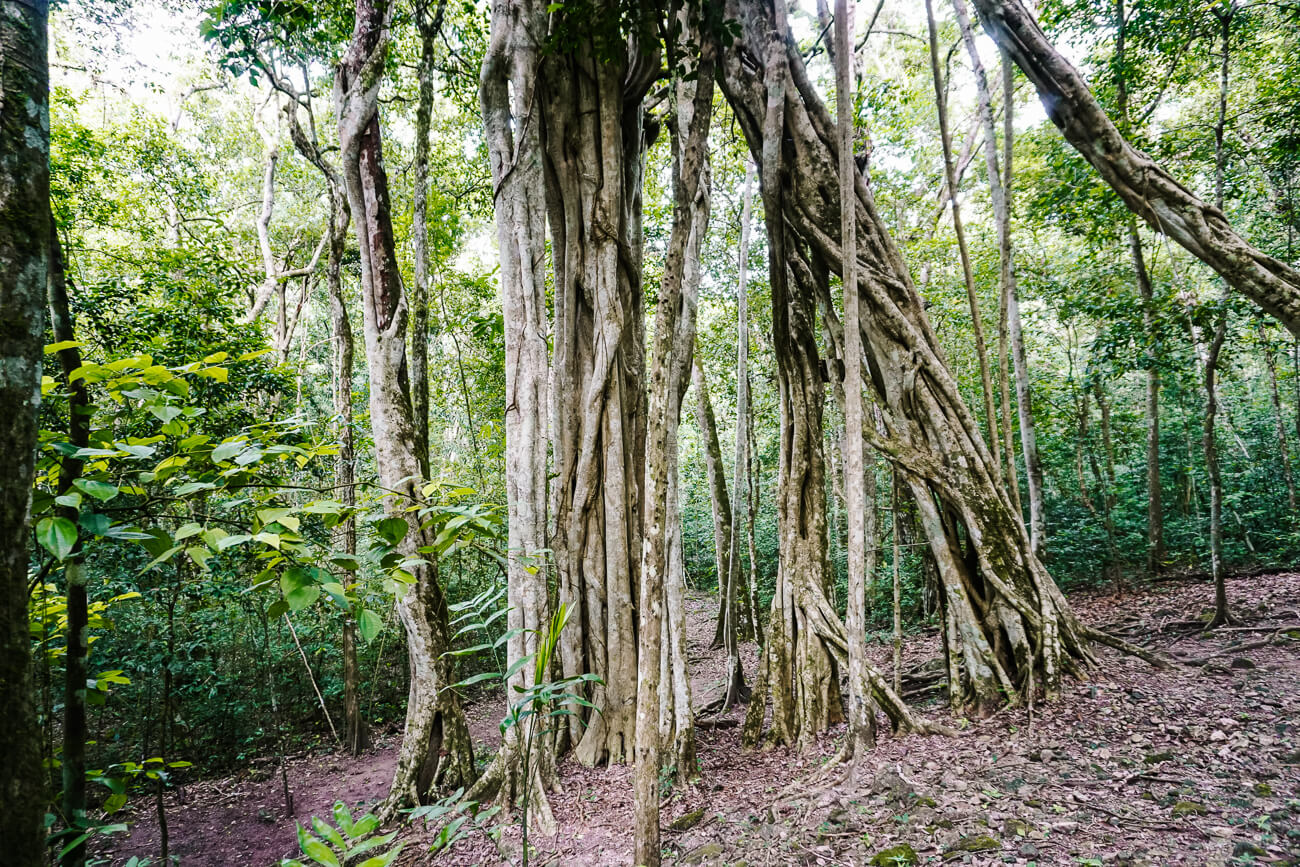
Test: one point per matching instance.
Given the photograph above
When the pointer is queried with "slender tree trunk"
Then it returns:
(1109, 496)
(719, 499)
(674, 342)
(24, 259)
(74, 567)
(1146, 188)
(1222, 613)
(1024, 396)
(1010, 339)
(428, 23)
(858, 511)
(742, 477)
(1283, 450)
(436, 748)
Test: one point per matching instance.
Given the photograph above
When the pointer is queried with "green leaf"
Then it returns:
(343, 817)
(302, 597)
(101, 491)
(328, 831)
(57, 535)
(369, 624)
(228, 450)
(392, 530)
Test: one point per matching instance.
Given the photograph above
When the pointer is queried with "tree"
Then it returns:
(507, 94)
(1010, 625)
(24, 260)
(436, 748)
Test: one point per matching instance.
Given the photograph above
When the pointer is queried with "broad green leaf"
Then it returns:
(392, 530)
(57, 535)
(369, 624)
(102, 491)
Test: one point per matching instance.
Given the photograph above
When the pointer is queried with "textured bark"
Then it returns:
(74, 567)
(674, 344)
(507, 96)
(1148, 190)
(745, 591)
(1011, 345)
(428, 22)
(861, 710)
(1014, 628)
(24, 260)
(593, 137)
(1222, 614)
(436, 748)
(1024, 397)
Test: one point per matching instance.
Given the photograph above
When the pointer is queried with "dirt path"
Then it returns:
(1191, 765)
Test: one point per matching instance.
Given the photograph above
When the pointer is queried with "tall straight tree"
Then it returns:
(507, 98)
(436, 747)
(306, 141)
(674, 343)
(959, 228)
(861, 708)
(24, 260)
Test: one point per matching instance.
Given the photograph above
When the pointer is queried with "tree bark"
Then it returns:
(1283, 450)
(1015, 626)
(1146, 188)
(74, 567)
(674, 343)
(592, 120)
(24, 259)
(507, 96)
(719, 499)
(428, 24)
(861, 709)
(1222, 613)
(436, 748)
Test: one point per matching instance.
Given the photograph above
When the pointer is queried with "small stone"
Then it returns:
(1188, 808)
(974, 843)
(1016, 828)
(702, 853)
(894, 856)
(1028, 850)
(1242, 662)
(686, 821)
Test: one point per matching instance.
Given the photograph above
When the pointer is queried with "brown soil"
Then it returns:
(1196, 764)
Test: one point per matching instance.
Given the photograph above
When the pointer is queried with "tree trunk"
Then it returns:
(1283, 451)
(859, 512)
(743, 590)
(1222, 613)
(436, 748)
(591, 115)
(968, 273)
(428, 24)
(1010, 336)
(507, 93)
(674, 344)
(74, 567)
(1015, 626)
(719, 499)
(24, 259)
(1148, 190)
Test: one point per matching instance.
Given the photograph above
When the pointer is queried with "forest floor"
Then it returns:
(1195, 764)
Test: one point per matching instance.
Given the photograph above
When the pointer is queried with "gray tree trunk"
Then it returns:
(24, 260)
(436, 748)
